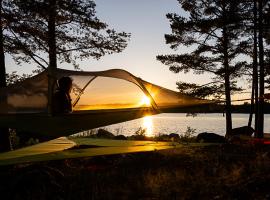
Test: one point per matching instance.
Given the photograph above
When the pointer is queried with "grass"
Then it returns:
(192, 172)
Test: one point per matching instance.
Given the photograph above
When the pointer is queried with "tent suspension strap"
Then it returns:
(145, 91)
(82, 90)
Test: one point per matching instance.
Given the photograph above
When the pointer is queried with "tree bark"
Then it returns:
(261, 83)
(225, 46)
(228, 105)
(4, 131)
(251, 104)
(255, 68)
(227, 83)
(52, 52)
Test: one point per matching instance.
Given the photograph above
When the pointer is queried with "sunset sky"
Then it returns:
(146, 21)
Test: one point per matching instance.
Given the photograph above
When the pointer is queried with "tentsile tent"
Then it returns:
(100, 98)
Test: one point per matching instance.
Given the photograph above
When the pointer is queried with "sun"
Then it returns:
(145, 101)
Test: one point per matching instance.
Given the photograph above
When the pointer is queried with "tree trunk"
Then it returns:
(228, 105)
(52, 52)
(255, 68)
(2, 55)
(4, 131)
(227, 84)
(261, 83)
(251, 104)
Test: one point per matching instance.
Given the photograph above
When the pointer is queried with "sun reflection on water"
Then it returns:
(148, 126)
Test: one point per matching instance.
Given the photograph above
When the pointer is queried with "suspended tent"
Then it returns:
(100, 98)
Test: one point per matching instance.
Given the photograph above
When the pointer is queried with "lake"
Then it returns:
(178, 122)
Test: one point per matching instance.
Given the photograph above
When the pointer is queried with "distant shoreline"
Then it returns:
(215, 108)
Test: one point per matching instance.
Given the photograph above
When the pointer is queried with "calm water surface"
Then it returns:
(178, 122)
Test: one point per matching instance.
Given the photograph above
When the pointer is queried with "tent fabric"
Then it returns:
(99, 98)
(111, 89)
(46, 127)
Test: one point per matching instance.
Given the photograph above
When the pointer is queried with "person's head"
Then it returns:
(65, 84)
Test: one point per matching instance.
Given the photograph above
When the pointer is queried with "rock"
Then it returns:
(120, 137)
(102, 133)
(240, 135)
(210, 137)
(244, 130)
(166, 137)
(174, 136)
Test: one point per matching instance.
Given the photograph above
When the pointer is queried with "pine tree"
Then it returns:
(255, 89)
(212, 29)
(8, 44)
(47, 31)
(68, 29)
(263, 35)
(4, 132)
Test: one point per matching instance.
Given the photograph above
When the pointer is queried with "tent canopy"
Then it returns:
(111, 89)
(100, 98)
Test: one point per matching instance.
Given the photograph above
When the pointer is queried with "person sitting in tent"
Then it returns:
(61, 98)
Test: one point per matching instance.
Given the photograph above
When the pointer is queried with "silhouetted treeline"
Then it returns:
(216, 108)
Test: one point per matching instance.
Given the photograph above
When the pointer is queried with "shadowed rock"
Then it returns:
(166, 137)
(102, 133)
(174, 136)
(120, 137)
(210, 137)
(244, 130)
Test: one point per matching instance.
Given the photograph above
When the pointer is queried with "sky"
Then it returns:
(146, 21)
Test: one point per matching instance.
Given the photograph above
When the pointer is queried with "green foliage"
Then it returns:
(14, 139)
(204, 91)
(14, 77)
(141, 131)
(213, 30)
(21, 139)
(188, 135)
(139, 135)
(203, 30)
(10, 18)
(214, 89)
(266, 22)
